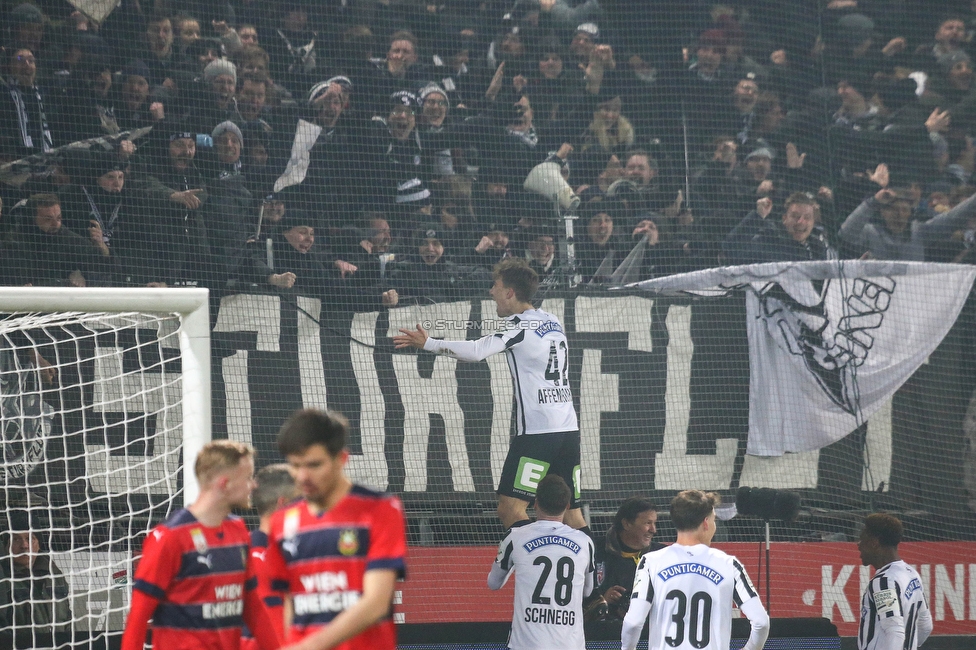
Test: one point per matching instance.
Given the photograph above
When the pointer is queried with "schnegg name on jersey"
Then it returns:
(326, 592)
(550, 616)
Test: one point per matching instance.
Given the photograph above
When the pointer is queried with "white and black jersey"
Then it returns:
(553, 566)
(687, 593)
(538, 358)
(894, 615)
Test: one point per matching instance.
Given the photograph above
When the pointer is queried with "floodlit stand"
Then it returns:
(193, 308)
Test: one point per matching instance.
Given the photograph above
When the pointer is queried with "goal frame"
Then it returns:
(193, 307)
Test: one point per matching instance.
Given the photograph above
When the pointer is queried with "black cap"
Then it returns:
(430, 231)
(404, 98)
(104, 162)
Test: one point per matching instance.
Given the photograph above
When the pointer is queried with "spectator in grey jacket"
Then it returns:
(882, 226)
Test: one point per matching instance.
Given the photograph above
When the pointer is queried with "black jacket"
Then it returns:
(46, 260)
(758, 240)
(444, 281)
(615, 565)
(160, 240)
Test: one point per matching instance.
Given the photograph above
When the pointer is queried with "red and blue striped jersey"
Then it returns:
(321, 559)
(270, 599)
(198, 574)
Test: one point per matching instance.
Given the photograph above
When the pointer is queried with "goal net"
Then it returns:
(94, 401)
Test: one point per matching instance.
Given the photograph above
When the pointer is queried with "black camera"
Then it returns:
(767, 503)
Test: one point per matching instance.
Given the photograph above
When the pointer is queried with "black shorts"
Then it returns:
(533, 456)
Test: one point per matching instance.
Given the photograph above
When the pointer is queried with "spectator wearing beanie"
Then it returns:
(458, 71)
(198, 55)
(137, 105)
(397, 158)
(586, 37)
(952, 80)
(87, 109)
(229, 214)
(25, 28)
(260, 163)
(852, 50)
(704, 87)
(301, 262)
(93, 204)
(538, 245)
(552, 83)
(212, 99)
(426, 274)
(323, 150)
(434, 109)
(165, 238)
(602, 247)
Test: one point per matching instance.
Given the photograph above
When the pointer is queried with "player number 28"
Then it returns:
(563, 592)
(699, 619)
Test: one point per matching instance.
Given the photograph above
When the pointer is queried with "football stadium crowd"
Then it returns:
(373, 151)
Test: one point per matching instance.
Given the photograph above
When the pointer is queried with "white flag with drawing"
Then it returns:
(830, 342)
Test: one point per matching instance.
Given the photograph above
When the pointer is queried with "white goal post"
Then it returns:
(192, 306)
(106, 403)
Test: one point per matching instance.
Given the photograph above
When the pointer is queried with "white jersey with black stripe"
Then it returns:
(687, 593)
(538, 358)
(894, 614)
(554, 571)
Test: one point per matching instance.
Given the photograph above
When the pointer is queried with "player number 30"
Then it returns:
(698, 624)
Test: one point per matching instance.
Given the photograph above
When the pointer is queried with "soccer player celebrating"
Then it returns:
(547, 437)
(191, 580)
(553, 567)
(275, 487)
(687, 589)
(894, 615)
(340, 549)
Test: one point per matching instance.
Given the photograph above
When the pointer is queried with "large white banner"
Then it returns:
(830, 342)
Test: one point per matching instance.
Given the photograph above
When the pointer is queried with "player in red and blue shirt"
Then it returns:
(339, 551)
(275, 488)
(192, 579)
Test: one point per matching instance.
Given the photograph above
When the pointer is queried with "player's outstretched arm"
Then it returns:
(411, 338)
(759, 620)
(372, 607)
(461, 350)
